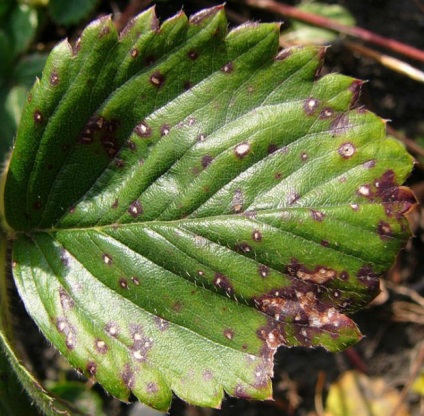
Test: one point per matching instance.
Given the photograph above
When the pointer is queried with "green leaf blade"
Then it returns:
(213, 201)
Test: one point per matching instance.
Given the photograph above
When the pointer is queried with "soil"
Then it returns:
(389, 349)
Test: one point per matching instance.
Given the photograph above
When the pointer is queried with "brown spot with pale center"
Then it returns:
(152, 388)
(143, 130)
(65, 300)
(164, 130)
(319, 274)
(38, 117)
(263, 270)
(112, 329)
(237, 202)
(127, 376)
(157, 79)
(242, 150)
(229, 333)
(384, 230)
(283, 54)
(135, 209)
(54, 78)
(257, 236)
(107, 259)
(310, 105)
(222, 282)
(347, 150)
(326, 112)
(91, 368)
(100, 346)
(228, 68)
(317, 215)
(123, 283)
(193, 55)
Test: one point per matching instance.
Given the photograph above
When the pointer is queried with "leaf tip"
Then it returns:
(204, 15)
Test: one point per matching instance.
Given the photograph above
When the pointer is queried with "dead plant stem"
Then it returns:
(354, 31)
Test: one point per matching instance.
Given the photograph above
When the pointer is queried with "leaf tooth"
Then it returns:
(96, 31)
(139, 25)
(204, 16)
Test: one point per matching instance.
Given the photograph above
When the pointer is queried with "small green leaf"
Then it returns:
(28, 68)
(303, 33)
(12, 401)
(71, 11)
(80, 395)
(190, 199)
(22, 27)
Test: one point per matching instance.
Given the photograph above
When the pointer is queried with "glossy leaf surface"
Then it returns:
(184, 200)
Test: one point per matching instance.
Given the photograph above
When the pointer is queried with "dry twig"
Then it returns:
(354, 31)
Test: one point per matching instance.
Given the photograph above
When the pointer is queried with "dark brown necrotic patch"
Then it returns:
(243, 247)
(326, 112)
(206, 160)
(263, 270)
(119, 163)
(161, 323)
(222, 282)
(257, 236)
(123, 283)
(192, 54)
(384, 230)
(65, 300)
(131, 145)
(344, 275)
(340, 124)
(38, 116)
(317, 215)
(319, 275)
(143, 130)
(127, 376)
(152, 388)
(229, 333)
(355, 89)
(91, 368)
(187, 85)
(283, 54)
(272, 148)
(310, 105)
(241, 392)
(135, 209)
(228, 68)
(368, 277)
(54, 78)
(112, 329)
(100, 346)
(64, 327)
(165, 129)
(157, 79)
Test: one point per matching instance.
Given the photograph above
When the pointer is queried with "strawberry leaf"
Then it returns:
(184, 200)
